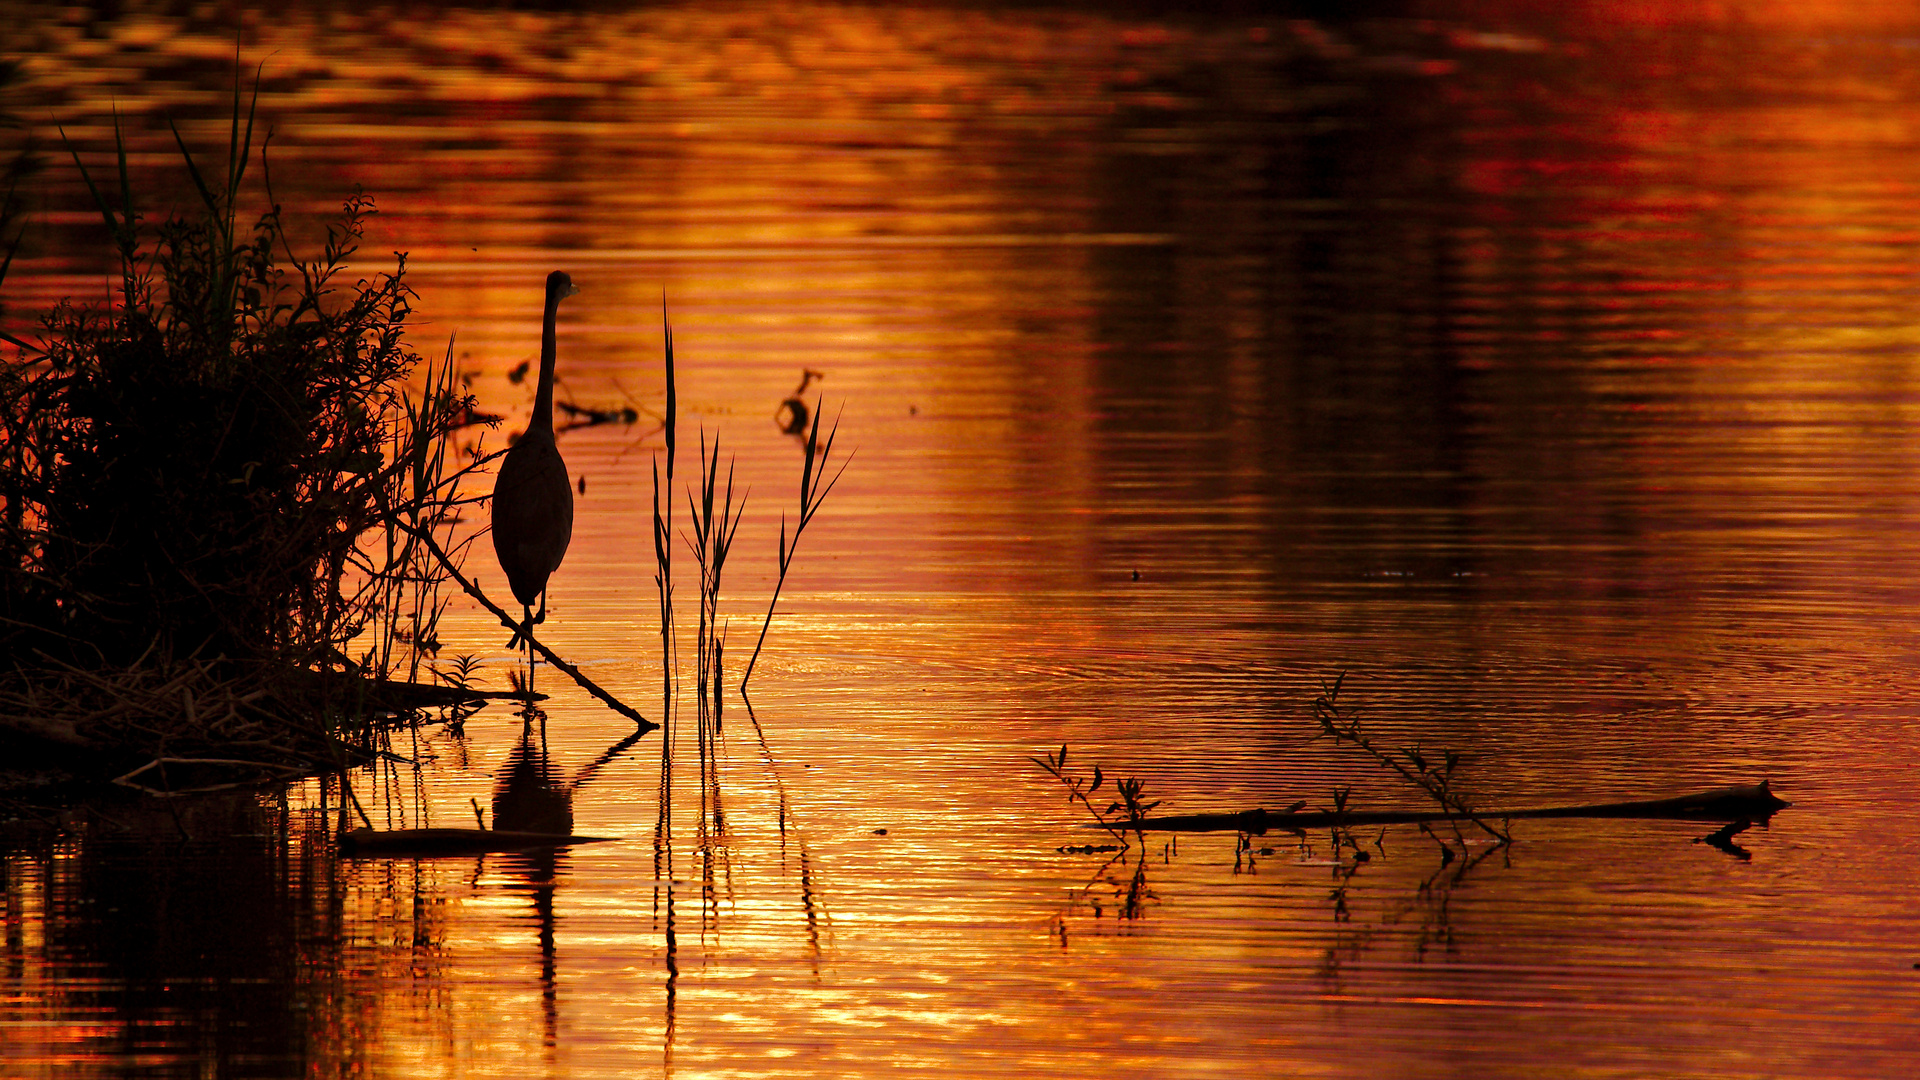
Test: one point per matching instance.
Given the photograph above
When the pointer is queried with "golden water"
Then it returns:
(1552, 378)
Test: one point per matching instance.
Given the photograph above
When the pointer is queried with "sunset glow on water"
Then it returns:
(1551, 376)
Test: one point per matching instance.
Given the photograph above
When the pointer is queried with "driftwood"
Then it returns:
(193, 724)
(1754, 802)
(427, 843)
(194, 776)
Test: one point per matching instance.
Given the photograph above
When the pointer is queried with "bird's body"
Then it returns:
(532, 514)
(532, 497)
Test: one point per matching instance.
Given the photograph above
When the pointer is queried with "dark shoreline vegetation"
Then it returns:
(215, 488)
(231, 497)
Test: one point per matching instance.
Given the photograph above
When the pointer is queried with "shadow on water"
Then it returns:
(116, 924)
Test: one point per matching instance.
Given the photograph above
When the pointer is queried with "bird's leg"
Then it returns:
(524, 632)
(529, 636)
(520, 632)
(532, 621)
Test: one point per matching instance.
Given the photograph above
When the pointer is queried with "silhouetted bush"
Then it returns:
(224, 466)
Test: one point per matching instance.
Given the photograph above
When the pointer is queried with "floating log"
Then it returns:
(428, 843)
(1755, 802)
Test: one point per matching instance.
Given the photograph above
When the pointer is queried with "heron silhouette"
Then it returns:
(532, 499)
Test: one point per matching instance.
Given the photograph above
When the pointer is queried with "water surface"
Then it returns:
(1552, 379)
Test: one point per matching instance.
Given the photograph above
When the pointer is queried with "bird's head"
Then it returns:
(560, 286)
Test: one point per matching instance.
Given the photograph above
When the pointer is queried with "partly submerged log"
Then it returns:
(428, 843)
(386, 696)
(1755, 802)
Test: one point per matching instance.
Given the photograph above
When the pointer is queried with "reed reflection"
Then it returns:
(812, 905)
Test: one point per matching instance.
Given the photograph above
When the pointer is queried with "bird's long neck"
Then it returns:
(543, 398)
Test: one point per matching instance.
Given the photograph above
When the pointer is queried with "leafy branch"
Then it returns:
(1434, 776)
(1124, 813)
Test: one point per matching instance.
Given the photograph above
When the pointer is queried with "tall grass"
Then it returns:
(663, 582)
(713, 518)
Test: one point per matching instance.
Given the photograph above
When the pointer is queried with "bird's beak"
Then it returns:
(572, 289)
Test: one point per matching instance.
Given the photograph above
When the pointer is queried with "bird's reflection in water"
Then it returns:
(537, 874)
(531, 795)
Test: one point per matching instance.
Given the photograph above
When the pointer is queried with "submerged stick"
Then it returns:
(426, 843)
(1754, 802)
(512, 623)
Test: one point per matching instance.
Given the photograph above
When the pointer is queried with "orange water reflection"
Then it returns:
(1556, 382)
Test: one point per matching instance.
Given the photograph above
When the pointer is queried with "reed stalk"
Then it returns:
(714, 518)
(814, 488)
(663, 582)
